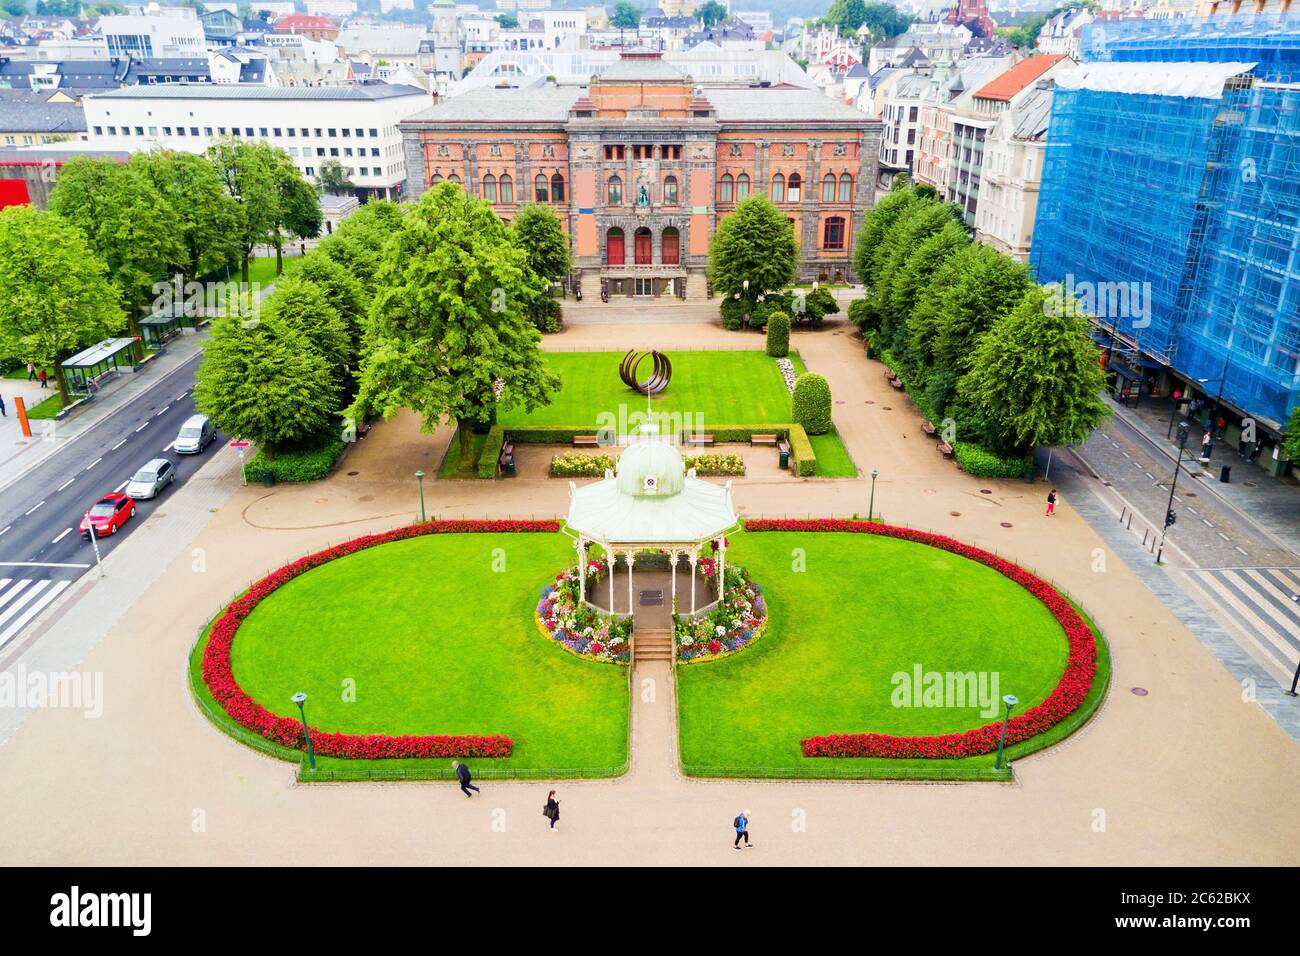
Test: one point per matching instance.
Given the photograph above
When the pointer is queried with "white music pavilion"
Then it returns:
(651, 503)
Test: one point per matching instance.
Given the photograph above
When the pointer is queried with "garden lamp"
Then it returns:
(1010, 700)
(419, 477)
(871, 505)
(300, 698)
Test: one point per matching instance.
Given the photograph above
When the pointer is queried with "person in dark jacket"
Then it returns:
(552, 810)
(463, 775)
(3, 410)
(741, 825)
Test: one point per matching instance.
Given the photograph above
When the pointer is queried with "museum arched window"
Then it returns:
(672, 247)
(726, 188)
(792, 188)
(828, 187)
(778, 188)
(614, 247)
(490, 188)
(507, 189)
(435, 179)
(742, 186)
(833, 233)
(670, 190)
(615, 191)
(557, 188)
(541, 188)
(453, 178)
(846, 188)
(642, 247)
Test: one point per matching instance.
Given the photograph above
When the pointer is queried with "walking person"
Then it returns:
(1206, 440)
(1051, 502)
(45, 379)
(4, 413)
(464, 776)
(552, 810)
(31, 371)
(741, 823)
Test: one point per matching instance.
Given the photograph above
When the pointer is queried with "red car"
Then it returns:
(107, 515)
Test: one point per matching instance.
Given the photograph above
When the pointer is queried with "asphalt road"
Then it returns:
(41, 550)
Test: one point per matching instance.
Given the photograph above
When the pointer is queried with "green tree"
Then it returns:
(1291, 443)
(297, 208)
(58, 8)
(14, 8)
(988, 286)
(778, 334)
(334, 179)
(847, 15)
(304, 307)
(918, 222)
(205, 220)
(357, 244)
(536, 230)
(508, 21)
(125, 220)
(626, 16)
(1035, 377)
(341, 289)
(265, 381)
(810, 405)
(247, 173)
(55, 295)
(754, 245)
(910, 283)
(876, 224)
(711, 13)
(450, 320)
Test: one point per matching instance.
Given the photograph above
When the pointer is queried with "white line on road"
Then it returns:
(6, 528)
(1242, 550)
(33, 509)
(181, 395)
(35, 609)
(122, 485)
(64, 534)
(171, 446)
(143, 427)
(163, 412)
(65, 484)
(1178, 498)
(38, 564)
(1223, 536)
(1206, 523)
(1192, 510)
(1149, 475)
(119, 444)
(94, 463)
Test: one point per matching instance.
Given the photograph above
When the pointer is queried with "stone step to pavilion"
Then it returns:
(652, 645)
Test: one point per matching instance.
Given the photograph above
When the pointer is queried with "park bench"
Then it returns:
(928, 428)
(889, 374)
(896, 382)
(585, 441)
(694, 439)
(945, 449)
(506, 461)
(762, 439)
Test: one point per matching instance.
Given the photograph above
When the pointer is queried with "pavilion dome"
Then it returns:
(650, 468)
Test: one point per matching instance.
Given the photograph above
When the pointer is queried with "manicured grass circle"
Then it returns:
(434, 635)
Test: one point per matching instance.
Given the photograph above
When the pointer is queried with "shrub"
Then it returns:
(733, 314)
(860, 315)
(803, 458)
(573, 465)
(310, 463)
(716, 464)
(778, 335)
(983, 463)
(491, 454)
(810, 406)
(553, 316)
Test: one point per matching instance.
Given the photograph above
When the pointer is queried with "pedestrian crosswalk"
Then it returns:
(1266, 602)
(21, 599)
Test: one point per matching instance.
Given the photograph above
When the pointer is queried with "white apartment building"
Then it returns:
(331, 8)
(163, 36)
(1013, 172)
(901, 117)
(557, 25)
(356, 125)
(760, 21)
(299, 47)
(1062, 33)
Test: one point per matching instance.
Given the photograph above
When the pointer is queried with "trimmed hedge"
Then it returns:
(802, 457)
(297, 464)
(810, 406)
(983, 463)
(491, 453)
(778, 335)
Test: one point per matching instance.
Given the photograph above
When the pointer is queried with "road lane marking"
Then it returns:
(119, 445)
(163, 412)
(94, 463)
(39, 564)
(1242, 550)
(65, 484)
(36, 608)
(6, 528)
(171, 446)
(20, 594)
(121, 486)
(1223, 536)
(142, 427)
(1206, 523)
(181, 395)
(33, 509)
(66, 532)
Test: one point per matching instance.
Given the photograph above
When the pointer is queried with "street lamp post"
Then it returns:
(1170, 517)
(871, 505)
(94, 543)
(419, 477)
(1010, 700)
(745, 284)
(1218, 400)
(300, 698)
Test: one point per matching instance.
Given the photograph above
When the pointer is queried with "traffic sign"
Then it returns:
(239, 443)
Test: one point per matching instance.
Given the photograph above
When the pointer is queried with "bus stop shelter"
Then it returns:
(162, 326)
(91, 367)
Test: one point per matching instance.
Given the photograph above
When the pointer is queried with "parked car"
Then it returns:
(196, 434)
(107, 515)
(151, 479)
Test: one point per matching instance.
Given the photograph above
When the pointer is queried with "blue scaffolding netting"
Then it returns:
(1182, 212)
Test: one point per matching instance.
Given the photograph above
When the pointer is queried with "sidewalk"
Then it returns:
(19, 454)
(1273, 504)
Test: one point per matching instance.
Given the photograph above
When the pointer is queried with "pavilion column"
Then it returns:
(721, 569)
(695, 557)
(630, 556)
(610, 560)
(581, 545)
(674, 555)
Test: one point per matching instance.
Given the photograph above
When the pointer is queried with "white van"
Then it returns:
(196, 434)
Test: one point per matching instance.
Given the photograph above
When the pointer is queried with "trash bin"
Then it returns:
(509, 467)
(783, 450)
(1225, 474)
(268, 478)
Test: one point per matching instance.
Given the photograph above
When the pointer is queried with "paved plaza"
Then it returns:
(1193, 772)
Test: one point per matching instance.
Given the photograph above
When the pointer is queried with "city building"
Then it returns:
(1172, 185)
(29, 118)
(174, 35)
(357, 123)
(313, 27)
(643, 162)
(1012, 173)
(331, 8)
(901, 119)
(1060, 34)
(952, 86)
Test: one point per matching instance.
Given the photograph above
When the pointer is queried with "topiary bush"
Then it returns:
(308, 463)
(778, 335)
(810, 406)
(733, 314)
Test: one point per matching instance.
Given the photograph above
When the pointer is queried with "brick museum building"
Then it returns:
(641, 164)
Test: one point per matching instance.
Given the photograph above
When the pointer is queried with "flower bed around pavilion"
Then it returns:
(563, 618)
(728, 628)
(1068, 695)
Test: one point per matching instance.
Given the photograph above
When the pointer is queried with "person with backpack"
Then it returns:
(1051, 502)
(552, 810)
(463, 775)
(741, 823)
(45, 379)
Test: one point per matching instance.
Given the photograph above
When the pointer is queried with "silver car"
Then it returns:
(196, 434)
(151, 479)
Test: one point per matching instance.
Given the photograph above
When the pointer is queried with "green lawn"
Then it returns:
(832, 457)
(437, 642)
(864, 609)
(728, 388)
(47, 408)
(451, 460)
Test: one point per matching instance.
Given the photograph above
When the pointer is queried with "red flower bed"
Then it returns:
(287, 731)
(1064, 699)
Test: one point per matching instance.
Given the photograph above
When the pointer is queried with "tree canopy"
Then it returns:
(626, 16)
(711, 13)
(756, 244)
(334, 179)
(205, 219)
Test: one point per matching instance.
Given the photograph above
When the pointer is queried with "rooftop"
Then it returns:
(240, 91)
(1023, 74)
